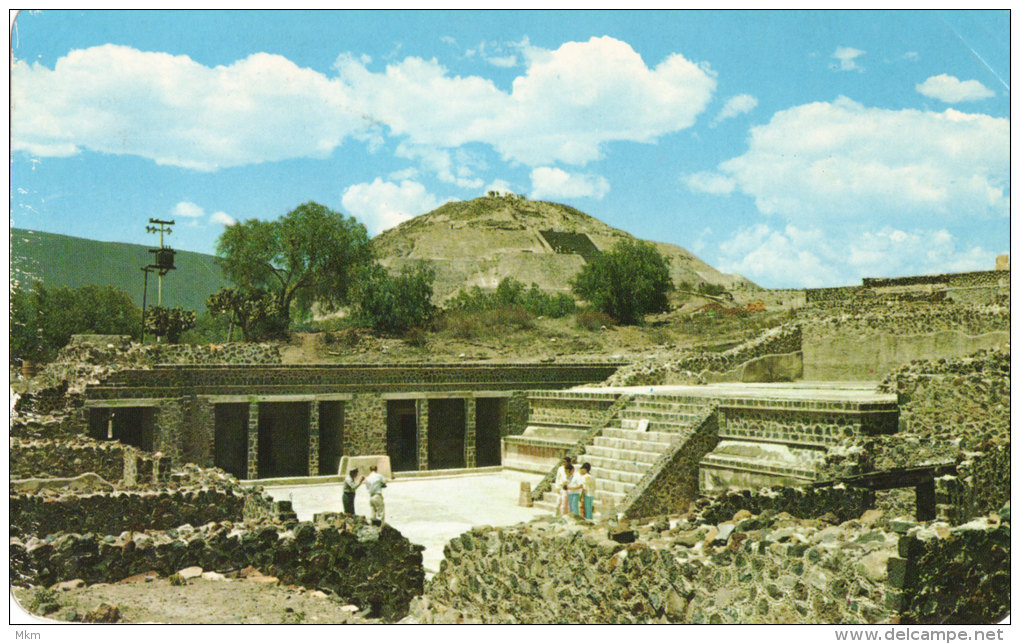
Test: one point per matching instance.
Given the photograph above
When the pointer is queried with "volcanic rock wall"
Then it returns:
(370, 566)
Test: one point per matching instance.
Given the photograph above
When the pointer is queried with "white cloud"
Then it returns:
(450, 167)
(175, 111)
(382, 204)
(557, 183)
(220, 217)
(842, 161)
(846, 57)
(499, 185)
(187, 209)
(740, 104)
(800, 257)
(711, 182)
(911, 55)
(502, 61)
(564, 108)
(951, 89)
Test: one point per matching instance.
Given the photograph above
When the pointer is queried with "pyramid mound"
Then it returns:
(482, 241)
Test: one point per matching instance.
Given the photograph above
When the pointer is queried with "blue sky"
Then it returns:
(797, 148)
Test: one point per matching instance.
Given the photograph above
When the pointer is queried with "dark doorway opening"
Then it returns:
(331, 436)
(446, 433)
(129, 425)
(283, 439)
(402, 435)
(230, 449)
(489, 414)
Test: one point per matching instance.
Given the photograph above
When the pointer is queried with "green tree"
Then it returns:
(43, 318)
(396, 303)
(169, 323)
(308, 255)
(627, 282)
(255, 312)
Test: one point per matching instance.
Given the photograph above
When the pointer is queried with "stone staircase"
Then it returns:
(624, 452)
(556, 421)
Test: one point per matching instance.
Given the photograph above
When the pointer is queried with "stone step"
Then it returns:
(757, 466)
(602, 485)
(601, 496)
(603, 464)
(615, 475)
(660, 423)
(630, 434)
(635, 443)
(651, 407)
(627, 455)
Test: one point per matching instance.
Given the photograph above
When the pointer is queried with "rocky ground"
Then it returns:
(254, 599)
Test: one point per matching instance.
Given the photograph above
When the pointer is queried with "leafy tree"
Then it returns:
(255, 312)
(627, 282)
(308, 255)
(395, 304)
(169, 323)
(43, 318)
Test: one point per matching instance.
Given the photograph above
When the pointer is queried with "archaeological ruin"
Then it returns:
(849, 466)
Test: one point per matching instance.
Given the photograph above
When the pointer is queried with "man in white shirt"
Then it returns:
(559, 486)
(375, 482)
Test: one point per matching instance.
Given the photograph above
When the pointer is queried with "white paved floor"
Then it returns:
(428, 511)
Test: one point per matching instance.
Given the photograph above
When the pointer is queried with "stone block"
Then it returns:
(525, 497)
(362, 463)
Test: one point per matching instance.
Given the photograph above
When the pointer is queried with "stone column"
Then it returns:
(253, 439)
(421, 407)
(469, 433)
(313, 438)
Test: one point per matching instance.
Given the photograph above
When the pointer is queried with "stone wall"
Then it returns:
(60, 458)
(364, 425)
(368, 566)
(842, 503)
(116, 512)
(770, 568)
(953, 576)
(981, 485)
(698, 367)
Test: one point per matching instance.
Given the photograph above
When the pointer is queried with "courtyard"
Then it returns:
(428, 511)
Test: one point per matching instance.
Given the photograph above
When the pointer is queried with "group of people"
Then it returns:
(573, 486)
(374, 482)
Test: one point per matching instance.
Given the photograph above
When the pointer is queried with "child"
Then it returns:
(568, 476)
(589, 492)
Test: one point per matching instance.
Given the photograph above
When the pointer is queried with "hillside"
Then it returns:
(72, 261)
(479, 242)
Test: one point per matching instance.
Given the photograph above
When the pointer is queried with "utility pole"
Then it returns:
(164, 263)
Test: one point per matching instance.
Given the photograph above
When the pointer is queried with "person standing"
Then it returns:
(560, 485)
(351, 484)
(589, 491)
(375, 483)
(574, 487)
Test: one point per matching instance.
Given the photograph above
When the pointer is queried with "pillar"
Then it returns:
(421, 407)
(253, 439)
(313, 438)
(470, 452)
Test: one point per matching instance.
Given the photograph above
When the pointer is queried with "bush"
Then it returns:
(208, 329)
(627, 282)
(395, 304)
(512, 294)
(43, 318)
(487, 323)
(593, 320)
(416, 338)
(169, 323)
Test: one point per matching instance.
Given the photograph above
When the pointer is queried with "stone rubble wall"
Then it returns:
(981, 485)
(772, 571)
(841, 502)
(62, 458)
(954, 576)
(368, 566)
(694, 367)
(115, 512)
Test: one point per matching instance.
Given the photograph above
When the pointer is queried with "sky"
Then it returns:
(800, 149)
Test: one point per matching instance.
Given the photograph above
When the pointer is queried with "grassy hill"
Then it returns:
(72, 261)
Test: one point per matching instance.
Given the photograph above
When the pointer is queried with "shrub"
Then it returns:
(394, 304)
(169, 323)
(43, 318)
(513, 294)
(592, 320)
(627, 282)
(416, 338)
